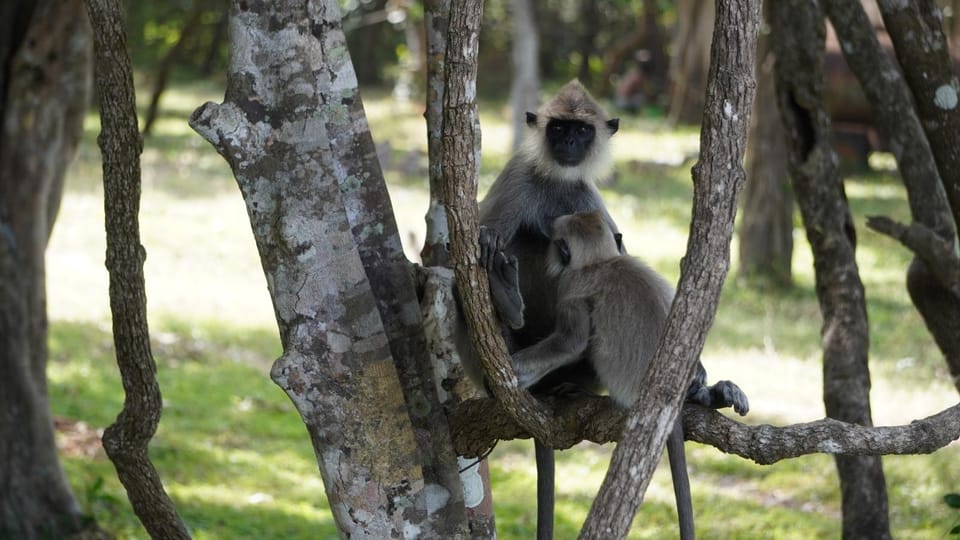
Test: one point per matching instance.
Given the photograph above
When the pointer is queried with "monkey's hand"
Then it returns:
(505, 290)
(719, 396)
(491, 243)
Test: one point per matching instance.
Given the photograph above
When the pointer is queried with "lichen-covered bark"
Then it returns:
(293, 130)
(126, 440)
(916, 28)
(45, 60)
(718, 178)
(436, 20)
(799, 35)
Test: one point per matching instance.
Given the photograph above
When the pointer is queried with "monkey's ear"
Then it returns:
(564, 250)
(613, 125)
(531, 119)
(618, 238)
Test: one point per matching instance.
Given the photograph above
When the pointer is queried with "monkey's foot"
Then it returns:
(505, 290)
(491, 244)
(720, 396)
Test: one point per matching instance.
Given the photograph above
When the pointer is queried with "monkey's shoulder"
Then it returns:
(621, 279)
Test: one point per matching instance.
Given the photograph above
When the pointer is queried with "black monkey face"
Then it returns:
(569, 141)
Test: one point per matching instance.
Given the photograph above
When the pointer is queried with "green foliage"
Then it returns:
(953, 501)
(236, 458)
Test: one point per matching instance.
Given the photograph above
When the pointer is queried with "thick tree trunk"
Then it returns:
(126, 440)
(766, 217)
(343, 294)
(44, 89)
(718, 179)
(799, 34)
(525, 87)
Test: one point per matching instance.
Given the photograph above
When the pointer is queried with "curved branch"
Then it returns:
(936, 252)
(482, 422)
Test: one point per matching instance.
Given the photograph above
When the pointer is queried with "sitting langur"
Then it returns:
(565, 152)
(612, 308)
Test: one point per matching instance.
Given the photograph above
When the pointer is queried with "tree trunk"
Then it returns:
(798, 34)
(525, 53)
(718, 178)
(342, 292)
(689, 60)
(916, 30)
(766, 218)
(44, 89)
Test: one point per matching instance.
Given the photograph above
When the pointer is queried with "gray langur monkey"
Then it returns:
(611, 309)
(566, 151)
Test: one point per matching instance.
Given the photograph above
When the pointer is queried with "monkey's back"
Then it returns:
(629, 303)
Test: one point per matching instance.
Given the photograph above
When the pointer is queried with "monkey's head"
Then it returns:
(569, 136)
(579, 240)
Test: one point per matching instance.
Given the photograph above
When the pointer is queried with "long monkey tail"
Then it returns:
(545, 495)
(681, 480)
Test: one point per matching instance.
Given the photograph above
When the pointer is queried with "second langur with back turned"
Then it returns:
(611, 309)
(566, 151)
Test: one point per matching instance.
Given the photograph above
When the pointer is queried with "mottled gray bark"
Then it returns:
(718, 178)
(765, 233)
(916, 29)
(126, 440)
(524, 56)
(293, 130)
(799, 47)
(479, 423)
(436, 19)
(45, 60)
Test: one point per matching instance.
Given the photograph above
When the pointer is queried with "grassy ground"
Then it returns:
(231, 447)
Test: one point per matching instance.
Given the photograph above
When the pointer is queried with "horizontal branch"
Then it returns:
(937, 253)
(480, 423)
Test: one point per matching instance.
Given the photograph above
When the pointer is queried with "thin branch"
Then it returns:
(483, 422)
(126, 440)
(937, 253)
(460, 157)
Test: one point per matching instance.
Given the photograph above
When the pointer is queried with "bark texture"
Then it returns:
(482, 422)
(933, 280)
(45, 60)
(766, 217)
(126, 440)
(718, 178)
(799, 44)
(461, 160)
(293, 130)
(436, 20)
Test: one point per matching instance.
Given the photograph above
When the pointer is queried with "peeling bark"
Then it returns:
(718, 178)
(293, 130)
(436, 20)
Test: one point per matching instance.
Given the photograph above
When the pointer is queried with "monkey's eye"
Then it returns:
(584, 129)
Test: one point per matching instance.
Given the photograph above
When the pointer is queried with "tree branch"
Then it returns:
(126, 440)
(461, 138)
(482, 422)
(937, 253)
(718, 178)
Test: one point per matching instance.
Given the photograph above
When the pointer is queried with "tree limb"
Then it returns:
(482, 422)
(937, 253)
(126, 440)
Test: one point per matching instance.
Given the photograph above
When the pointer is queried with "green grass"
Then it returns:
(237, 460)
